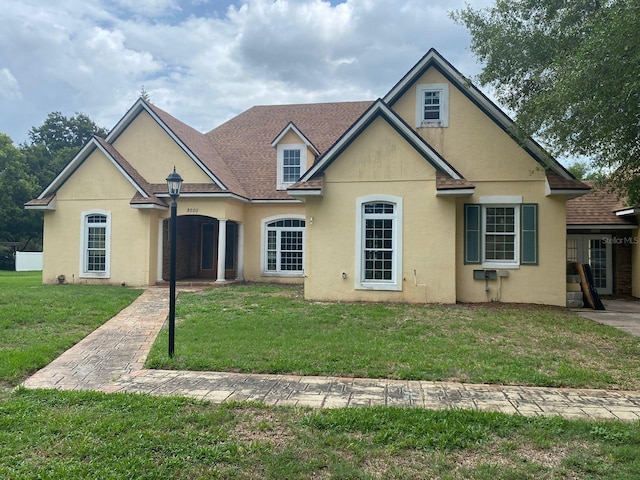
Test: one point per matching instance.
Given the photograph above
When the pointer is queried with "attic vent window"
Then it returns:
(432, 105)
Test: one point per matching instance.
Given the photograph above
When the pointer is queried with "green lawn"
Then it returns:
(272, 329)
(39, 322)
(80, 435)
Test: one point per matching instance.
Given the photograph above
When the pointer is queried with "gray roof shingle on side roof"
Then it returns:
(245, 141)
(596, 208)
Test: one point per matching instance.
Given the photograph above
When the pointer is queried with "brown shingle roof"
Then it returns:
(596, 208)
(444, 181)
(203, 149)
(245, 141)
(557, 182)
(40, 202)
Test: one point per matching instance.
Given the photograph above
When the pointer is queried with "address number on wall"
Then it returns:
(192, 210)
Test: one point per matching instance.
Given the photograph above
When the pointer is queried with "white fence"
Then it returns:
(28, 261)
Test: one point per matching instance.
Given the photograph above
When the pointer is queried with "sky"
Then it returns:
(205, 61)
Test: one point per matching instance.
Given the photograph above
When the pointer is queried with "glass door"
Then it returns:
(596, 251)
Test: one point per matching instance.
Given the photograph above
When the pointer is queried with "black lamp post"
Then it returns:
(174, 182)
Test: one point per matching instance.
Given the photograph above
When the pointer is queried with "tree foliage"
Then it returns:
(17, 186)
(27, 170)
(570, 70)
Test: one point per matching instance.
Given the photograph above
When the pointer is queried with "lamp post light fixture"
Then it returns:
(174, 182)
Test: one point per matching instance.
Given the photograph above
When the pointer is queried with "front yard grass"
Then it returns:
(272, 329)
(39, 322)
(78, 435)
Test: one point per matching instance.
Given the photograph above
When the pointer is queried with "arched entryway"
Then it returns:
(206, 248)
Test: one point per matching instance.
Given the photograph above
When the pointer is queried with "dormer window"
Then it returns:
(432, 105)
(292, 161)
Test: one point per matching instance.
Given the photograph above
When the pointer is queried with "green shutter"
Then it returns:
(472, 233)
(529, 234)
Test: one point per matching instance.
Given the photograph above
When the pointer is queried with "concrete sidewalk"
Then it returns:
(621, 314)
(111, 359)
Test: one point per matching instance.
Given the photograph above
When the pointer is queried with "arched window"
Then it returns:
(95, 244)
(379, 245)
(283, 246)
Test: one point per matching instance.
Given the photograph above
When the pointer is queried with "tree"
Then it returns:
(56, 142)
(570, 70)
(144, 95)
(17, 186)
(27, 170)
(582, 171)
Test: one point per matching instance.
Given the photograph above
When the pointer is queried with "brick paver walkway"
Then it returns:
(111, 359)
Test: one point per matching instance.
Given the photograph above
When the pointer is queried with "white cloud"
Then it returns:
(206, 60)
(9, 87)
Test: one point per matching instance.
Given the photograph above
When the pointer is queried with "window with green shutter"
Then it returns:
(472, 233)
(498, 235)
(529, 234)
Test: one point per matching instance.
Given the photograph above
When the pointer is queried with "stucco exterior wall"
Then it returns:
(98, 185)
(153, 153)
(543, 283)
(253, 237)
(380, 162)
(498, 166)
(477, 147)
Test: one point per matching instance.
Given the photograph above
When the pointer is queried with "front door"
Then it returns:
(596, 251)
(208, 250)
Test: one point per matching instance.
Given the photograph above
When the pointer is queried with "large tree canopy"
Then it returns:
(27, 170)
(17, 186)
(570, 70)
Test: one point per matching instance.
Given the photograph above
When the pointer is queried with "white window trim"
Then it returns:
(396, 283)
(263, 247)
(84, 273)
(281, 184)
(443, 88)
(501, 264)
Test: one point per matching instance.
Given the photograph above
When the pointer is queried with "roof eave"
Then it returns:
(455, 192)
(628, 211)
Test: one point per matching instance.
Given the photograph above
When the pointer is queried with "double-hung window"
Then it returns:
(500, 226)
(292, 160)
(283, 246)
(95, 244)
(379, 243)
(432, 105)
(501, 232)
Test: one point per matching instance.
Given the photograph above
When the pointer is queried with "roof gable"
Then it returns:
(193, 143)
(433, 59)
(380, 109)
(291, 127)
(144, 194)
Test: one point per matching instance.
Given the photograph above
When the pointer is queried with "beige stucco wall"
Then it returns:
(543, 283)
(97, 185)
(154, 153)
(498, 166)
(380, 162)
(254, 217)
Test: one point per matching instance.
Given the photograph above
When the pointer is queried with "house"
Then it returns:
(424, 195)
(603, 232)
